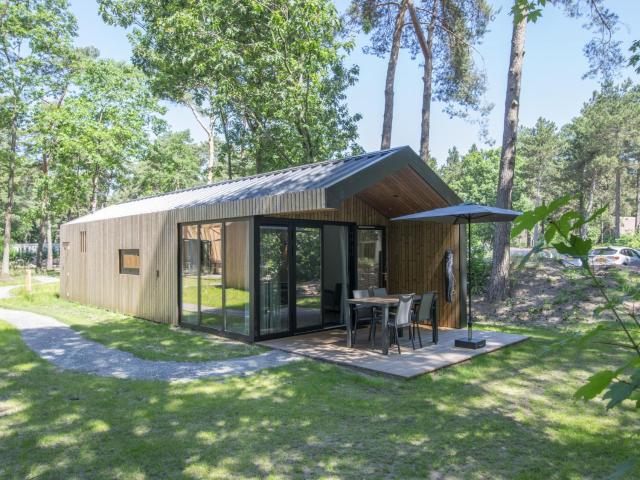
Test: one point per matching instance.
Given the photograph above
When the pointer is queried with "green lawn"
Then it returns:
(506, 415)
(144, 339)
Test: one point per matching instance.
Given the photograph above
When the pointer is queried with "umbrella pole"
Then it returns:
(469, 342)
(469, 319)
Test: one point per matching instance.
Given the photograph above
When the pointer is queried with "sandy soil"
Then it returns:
(547, 294)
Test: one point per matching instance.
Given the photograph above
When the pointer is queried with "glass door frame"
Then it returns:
(291, 224)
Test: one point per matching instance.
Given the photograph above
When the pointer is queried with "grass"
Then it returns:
(142, 338)
(507, 415)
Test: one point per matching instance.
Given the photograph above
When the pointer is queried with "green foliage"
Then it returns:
(269, 79)
(632, 240)
(172, 162)
(563, 234)
(458, 83)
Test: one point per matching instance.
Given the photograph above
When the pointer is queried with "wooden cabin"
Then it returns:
(270, 255)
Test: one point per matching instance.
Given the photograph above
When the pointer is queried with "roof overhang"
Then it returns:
(393, 162)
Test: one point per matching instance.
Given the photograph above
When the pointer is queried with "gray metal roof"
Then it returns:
(313, 176)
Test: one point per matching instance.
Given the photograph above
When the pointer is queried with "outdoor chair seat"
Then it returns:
(426, 314)
(402, 319)
(363, 315)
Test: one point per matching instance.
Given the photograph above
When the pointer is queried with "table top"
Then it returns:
(386, 300)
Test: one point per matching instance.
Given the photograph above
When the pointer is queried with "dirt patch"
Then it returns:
(545, 293)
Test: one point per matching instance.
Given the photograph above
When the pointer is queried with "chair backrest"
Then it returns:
(403, 315)
(379, 292)
(361, 294)
(426, 305)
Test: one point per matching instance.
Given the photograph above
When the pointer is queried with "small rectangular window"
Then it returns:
(130, 261)
(83, 242)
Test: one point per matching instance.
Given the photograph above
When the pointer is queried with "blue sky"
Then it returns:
(552, 85)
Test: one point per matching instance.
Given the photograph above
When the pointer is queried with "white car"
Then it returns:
(608, 256)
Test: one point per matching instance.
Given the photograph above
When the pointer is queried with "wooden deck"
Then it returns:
(330, 346)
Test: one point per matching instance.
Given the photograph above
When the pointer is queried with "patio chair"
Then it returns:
(362, 314)
(426, 314)
(379, 292)
(402, 319)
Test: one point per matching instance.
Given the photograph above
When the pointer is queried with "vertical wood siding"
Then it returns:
(415, 253)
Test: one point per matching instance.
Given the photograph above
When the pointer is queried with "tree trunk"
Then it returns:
(637, 225)
(8, 212)
(223, 121)
(212, 157)
(307, 144)
(210, 131)
(426, 45)
(501, 258)
(618, 201)
(49, 244)
(387, 121)
(40, 248)
(94, 190)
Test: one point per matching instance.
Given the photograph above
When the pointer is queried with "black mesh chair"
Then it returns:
(362, 314)
(426, 314)
(402, 319)
(379, 292)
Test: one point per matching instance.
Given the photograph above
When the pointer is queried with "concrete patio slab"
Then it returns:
(330, 346)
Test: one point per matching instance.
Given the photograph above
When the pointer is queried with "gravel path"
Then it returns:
(59, 344)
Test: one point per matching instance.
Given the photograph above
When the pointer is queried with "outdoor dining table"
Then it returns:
(383, 303)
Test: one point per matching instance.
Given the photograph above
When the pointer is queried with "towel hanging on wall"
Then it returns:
(450, 278)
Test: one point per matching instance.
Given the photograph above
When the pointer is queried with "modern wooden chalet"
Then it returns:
(270, 255)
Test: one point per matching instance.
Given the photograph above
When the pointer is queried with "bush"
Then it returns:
(480, 267)
(632, 241)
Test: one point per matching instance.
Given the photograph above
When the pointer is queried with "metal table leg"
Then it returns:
(385, 329)
(349, 339)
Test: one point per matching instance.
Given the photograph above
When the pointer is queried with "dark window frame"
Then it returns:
(128, 251)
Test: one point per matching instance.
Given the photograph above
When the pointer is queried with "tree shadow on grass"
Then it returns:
(503, 415)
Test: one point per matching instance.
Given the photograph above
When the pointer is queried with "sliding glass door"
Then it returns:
(335, 274)
(304, 276)
(308, 262)
(274, 280)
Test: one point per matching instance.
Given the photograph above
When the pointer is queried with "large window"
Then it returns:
(212, 314)
(190, 274)
(370, 258)
(237, 277)
(216, 275)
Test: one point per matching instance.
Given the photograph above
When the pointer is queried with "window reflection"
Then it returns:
(190, 266)
(211, 272)
(237, 277)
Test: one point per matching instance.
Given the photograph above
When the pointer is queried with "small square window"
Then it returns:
(130, 261)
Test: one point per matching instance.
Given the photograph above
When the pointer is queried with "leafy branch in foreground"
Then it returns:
(562, 228)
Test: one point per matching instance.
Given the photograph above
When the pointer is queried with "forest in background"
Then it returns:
(267, 82)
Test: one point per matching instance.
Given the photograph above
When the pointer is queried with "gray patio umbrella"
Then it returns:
(460, 214)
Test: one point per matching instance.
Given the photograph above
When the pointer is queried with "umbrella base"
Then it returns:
(473, 343)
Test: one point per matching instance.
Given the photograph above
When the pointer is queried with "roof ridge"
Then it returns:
(260, 175)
